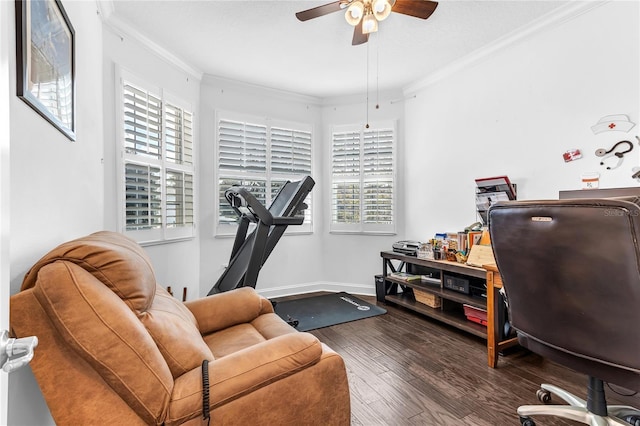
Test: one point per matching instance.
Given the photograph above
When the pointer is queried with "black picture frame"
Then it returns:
(45, 58)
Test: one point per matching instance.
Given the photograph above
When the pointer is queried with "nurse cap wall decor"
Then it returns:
(617, 122)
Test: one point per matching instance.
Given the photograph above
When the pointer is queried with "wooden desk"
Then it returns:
(494, 345)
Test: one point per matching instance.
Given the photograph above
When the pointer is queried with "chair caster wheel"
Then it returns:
(544, 396)
(527, 421)
(632, 420)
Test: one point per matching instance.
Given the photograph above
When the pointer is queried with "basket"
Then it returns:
(427, 298)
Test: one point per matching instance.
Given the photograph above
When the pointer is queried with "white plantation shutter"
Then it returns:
(242, 153)
(179, 198)
(378, 176)
(142, 122)
(158, 170)
(261, 156)
(290, 156)
(178, 135)
(241, 147)
(290, 151)
(345, 169)
(363, 179)
(143, 193)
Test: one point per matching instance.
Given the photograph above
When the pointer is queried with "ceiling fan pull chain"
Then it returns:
(377, 71)
(367, 106)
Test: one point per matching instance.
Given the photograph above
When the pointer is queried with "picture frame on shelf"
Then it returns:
(45, 58)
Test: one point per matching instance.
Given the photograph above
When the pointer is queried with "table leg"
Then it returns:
(492, 319)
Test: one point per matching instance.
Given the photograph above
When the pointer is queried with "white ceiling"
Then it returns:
(262, 42)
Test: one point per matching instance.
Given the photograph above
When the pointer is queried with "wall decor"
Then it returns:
(616, 122)
(46, 62)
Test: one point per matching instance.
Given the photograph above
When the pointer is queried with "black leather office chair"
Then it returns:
(571, 272)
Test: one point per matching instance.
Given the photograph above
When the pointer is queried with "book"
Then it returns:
(404, 276)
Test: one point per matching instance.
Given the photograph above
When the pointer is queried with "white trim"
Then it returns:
(6, 11)
(552, 19)
(272, 93)
(312, 287)
(163, 234)
(121, 28)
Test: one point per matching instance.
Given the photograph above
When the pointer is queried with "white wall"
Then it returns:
(56, 185)
(176, 264)
(516, 111)
(296, 264)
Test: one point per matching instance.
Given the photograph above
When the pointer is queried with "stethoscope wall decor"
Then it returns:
(614, 153)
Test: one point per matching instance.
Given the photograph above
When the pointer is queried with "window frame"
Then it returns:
(224, 230)
(165, 233)
(361, 227)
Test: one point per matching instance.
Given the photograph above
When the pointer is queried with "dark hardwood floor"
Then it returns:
(405, 369)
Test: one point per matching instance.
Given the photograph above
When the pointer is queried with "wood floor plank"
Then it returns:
(406, 369)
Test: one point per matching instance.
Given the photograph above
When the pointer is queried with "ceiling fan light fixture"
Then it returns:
(354, 13)
(369, 24)
(381, 9)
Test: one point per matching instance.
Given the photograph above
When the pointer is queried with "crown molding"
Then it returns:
(563, 14)
(228, 83)
(118, 26)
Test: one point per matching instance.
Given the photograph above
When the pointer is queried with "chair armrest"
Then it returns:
(223, 310)
(242, 372)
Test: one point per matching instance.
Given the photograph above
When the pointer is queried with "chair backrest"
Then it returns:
(571, 272)
(100, 294)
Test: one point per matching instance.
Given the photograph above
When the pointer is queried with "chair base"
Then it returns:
(576, 410)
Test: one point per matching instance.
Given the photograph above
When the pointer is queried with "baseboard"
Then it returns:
(291, 290)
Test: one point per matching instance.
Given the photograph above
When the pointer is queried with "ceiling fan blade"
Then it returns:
(305, 15)
(358, 36)
(418, 8)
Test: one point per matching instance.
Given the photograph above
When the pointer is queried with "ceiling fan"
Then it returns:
(364, 15)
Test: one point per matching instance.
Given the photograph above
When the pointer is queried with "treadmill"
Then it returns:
(251, 251)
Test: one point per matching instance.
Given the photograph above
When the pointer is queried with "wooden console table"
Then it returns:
(494, 344)
(450, 311)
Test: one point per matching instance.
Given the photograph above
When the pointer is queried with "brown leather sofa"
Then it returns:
(115, 348)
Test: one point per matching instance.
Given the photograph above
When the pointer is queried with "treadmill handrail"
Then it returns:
(254, 206)
(298, 220)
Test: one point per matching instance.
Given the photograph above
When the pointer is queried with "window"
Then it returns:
(363, 179)
(260, 154)
(157, 185)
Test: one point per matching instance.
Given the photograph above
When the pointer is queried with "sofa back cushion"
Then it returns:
(104, 331)
(114, 259)
(175, 330)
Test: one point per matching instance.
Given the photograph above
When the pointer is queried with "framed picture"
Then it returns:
(46, 62)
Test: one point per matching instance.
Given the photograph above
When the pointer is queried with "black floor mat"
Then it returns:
(325, 310)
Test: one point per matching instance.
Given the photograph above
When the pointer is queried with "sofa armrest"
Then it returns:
(223, 310)
(242, 372)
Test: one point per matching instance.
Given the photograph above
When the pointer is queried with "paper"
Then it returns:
(480, 255)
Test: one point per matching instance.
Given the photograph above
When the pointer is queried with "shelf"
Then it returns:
(451, 309)
(444, 265)
(443, 293)
(455, 319)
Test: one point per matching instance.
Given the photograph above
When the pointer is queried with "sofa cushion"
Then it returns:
(116, 260)
(237, 306)
(233, 339)
(107, 335)
(175, 331)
